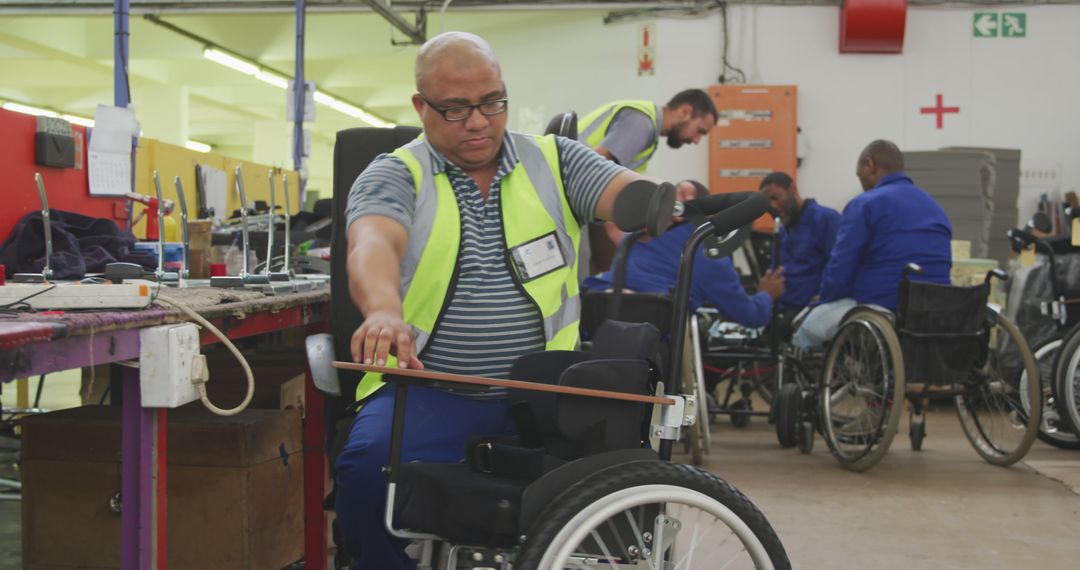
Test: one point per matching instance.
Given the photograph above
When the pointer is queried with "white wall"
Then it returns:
(1012, 93)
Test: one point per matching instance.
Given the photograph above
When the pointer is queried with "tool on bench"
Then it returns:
(270, 230)
(162, 276)
(46, 272)
(245, 277)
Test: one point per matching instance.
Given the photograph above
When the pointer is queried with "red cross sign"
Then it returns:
(940, 110)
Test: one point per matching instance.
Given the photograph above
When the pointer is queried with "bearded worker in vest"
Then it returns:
(462, 254)
(628, 133)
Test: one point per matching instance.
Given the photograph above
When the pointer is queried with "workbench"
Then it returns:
(37, 343)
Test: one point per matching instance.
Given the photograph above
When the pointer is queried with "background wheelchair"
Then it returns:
(576, 489)
(944, 342)
(1046, 310)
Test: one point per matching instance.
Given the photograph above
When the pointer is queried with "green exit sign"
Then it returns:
(1013, 25)
(985, 25)
(993, 24)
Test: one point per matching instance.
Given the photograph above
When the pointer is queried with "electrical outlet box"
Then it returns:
(167, 357)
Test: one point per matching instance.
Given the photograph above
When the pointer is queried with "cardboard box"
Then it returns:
(234, 488)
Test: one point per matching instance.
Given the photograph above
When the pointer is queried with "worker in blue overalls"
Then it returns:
(806, 236)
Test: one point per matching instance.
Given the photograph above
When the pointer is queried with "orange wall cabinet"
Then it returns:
(754, 135)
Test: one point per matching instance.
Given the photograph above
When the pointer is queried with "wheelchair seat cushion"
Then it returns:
(943, 331)
(459, 504)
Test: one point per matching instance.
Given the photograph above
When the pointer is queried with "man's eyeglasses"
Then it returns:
(462, 112)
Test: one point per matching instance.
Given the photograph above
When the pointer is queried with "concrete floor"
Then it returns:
(942, 508)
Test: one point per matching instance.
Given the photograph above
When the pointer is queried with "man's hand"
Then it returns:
(382, 334)
(773, 283)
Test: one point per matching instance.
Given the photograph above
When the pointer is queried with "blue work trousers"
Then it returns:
(438, 424)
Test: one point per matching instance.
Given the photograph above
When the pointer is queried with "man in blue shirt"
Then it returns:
(807, 235)
(654, 265)
(891, 224)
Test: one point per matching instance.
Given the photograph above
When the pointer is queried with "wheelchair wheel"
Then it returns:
(787, 406)
(740, 420)
(1052, 429)
(651, 514)
(1067, 383)
(991, 411)
(862, 390)
(917, 431)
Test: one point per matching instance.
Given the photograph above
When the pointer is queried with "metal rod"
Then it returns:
(270, 229)
(300, 91)
(161, 228)
(46, 272)
(183, 227)
(243, 219)
(288, 222)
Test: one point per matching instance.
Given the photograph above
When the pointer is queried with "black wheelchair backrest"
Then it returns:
(943, 330)
(353, 151)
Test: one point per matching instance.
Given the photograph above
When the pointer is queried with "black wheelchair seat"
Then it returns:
(943, 331)
(465, 506)
(492, 498)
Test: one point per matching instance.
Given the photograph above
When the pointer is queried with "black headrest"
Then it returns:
(617, 339)
(564, 125)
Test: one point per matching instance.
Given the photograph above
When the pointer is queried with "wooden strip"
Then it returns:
(515, 384)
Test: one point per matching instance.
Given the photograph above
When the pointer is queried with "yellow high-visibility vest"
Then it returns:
(593, 128)
(534, 205)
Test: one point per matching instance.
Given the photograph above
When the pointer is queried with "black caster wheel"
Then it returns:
(917, 431)
(740, 420)
(806, 437)
(785, 408)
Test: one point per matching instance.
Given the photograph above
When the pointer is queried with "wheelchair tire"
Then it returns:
(1066, 383)
(992, 411)
(1053, 429)
(647, 490)
(874, 425)
(786, 406)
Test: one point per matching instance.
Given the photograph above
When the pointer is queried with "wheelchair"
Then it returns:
(576, 488)
(944, 342)
(1049, 325)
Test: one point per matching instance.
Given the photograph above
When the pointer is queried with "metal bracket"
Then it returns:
(417, 33)
(675, 416)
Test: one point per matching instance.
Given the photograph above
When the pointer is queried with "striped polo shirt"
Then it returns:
(490, 321)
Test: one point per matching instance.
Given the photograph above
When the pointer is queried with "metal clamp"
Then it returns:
(160, 274)
(245, 277)
(672, 418)
(183, 227)
(270, 230)
(46, 272)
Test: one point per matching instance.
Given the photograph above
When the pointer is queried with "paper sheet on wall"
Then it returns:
(109, 155)
(215, 183)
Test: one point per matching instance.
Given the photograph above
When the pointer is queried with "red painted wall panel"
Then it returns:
(67, 188)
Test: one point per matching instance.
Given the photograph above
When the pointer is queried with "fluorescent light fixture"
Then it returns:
(350, 110)
(230, 61)
(27, 109)
(323, 98)
(272, 78)
(75, 119)
(249, 68)
(197, 146)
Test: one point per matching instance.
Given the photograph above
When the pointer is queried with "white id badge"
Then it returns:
(538, 257)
